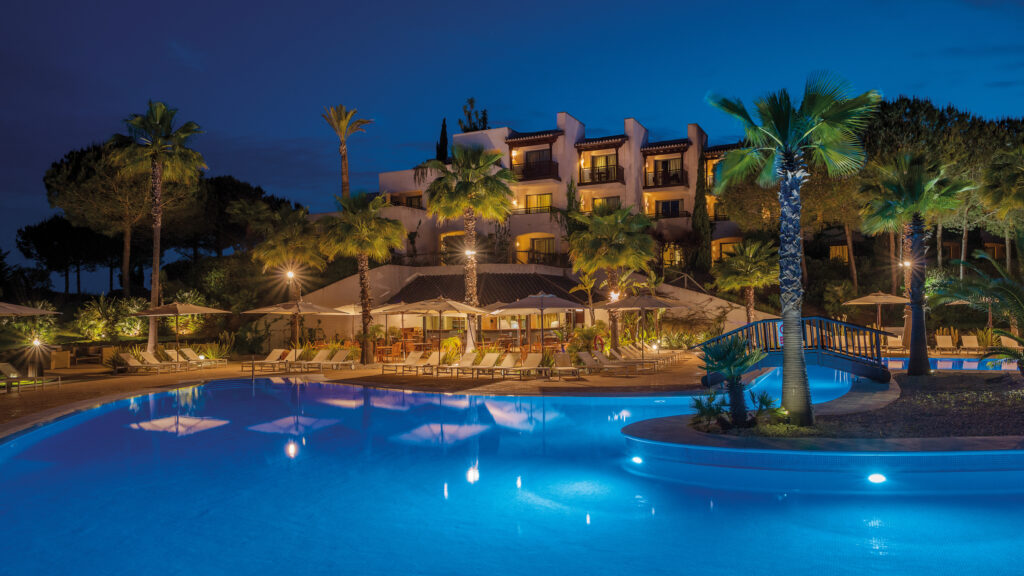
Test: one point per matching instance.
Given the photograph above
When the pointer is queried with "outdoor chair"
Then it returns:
(191, 355)
(272, 359)
(894, 344)
(594, 364)
(12, 377)
(409, 363)
(634, 353)
(641, 364)
(430, 366)
(509, 361)
(486, 365)
(1007, 342)
(317, 362)
(531, 365)
(465, 362)
(944, 343)
(341, 358)
(133, 365)
(564, 365)
(176, 357)
(149, 359)
(969, 345)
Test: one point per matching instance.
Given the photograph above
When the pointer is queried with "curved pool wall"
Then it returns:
(276, 478)
(814, 471)
(987, 364)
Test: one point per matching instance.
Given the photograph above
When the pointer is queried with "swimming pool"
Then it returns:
(276, 478)
(958, 364)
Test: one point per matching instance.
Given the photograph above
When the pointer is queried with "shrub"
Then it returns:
(188, 324)
(709, 409)
(451, 349)
(106, 318)
(221, 348)
(31, 327)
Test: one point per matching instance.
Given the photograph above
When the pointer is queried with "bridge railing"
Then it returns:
(820, 334)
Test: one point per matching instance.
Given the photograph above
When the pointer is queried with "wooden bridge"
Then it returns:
(827, 342)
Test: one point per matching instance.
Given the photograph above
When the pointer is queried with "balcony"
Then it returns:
(664, 178)
(482, 257)
(602, 175)
(532, 210)
(546, 258)
(539, 170)
(665, 214)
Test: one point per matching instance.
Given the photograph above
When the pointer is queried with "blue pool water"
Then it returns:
(278, 478)
(958, 364)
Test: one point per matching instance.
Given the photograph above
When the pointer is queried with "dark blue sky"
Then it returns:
(256, 75)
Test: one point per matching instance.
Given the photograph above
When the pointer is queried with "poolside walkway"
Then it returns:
(88, 386)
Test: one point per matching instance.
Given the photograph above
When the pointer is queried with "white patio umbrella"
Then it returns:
(297, 308)
(537, 304)
(442, 307)
(641, 302)
(17, 310)
(877, 299)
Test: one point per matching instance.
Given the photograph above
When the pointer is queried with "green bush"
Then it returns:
(188, 324)
(104, 318)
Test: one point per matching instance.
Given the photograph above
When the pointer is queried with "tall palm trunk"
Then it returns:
(613, 315)
(1009, 251)
(295, 295)
(469, 219)
(343, 150)
(748, 294)
(156, 177)
(963, 247)
(737, 402)
(796, 395)
(938, 242)
(918, 363)
(893, 267)
(853, 261)
(908, 257)
(366, 302)
(126, 257)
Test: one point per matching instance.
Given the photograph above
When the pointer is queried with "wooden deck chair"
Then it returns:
(273, 358)
(409, 361)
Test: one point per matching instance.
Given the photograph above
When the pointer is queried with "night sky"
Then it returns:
(256, 75)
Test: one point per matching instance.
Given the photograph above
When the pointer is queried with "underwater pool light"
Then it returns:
(637, 460)
(291, 449)
(877, 478)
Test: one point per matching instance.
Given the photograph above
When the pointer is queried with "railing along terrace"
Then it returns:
(602, 175)
(537, 170)
(669, 214)
(661, 178)
(482, 257)
(820, 334)
(532, 210)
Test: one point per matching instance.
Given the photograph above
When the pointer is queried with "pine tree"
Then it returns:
(441, 148)
(701, 222)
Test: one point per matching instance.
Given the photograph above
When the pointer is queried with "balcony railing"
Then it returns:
(539, 170)
(547, 258)
(668, 214)
(532, 210)
(482, 257)
(662, 178)
(602, 175)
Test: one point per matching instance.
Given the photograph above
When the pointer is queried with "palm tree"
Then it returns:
(360, 232)
(754, 264)
(475, 186)
(826, 128)
(1003, 191)
(290, 246)
(732, 358)
(170, 159)
(344, 123)
(615, 242)
(585, 283)
(906, 191)
(1002, 294)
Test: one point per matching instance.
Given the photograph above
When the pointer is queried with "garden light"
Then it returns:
(36, 342)
(290, 274)
(470, 252)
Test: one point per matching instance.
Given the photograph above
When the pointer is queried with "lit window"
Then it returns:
(840, 252)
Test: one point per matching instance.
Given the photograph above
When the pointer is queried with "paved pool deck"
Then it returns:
(89, 386)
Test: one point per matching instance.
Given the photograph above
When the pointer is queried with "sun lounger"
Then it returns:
(272, 360)
(508, 362)
(149, 359)
(486, 365)
(465, 362)
(531, 365)
(644, 364)
(133, 365)
(175, 357)
(409, 363)
(634, 353)
(191, 355)
(11, 377)
(969, 345)
(430, 366)
(1007, 342)
(563, 365)
(595, 364)
(316, 363)
(894, 344)
(944, 343)
(341, 358)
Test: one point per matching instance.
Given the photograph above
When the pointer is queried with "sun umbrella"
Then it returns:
(537, 304)
(641, 302)
(16, 310)
(442, 307)
(386, 311)
(177, 309)
(877, 299)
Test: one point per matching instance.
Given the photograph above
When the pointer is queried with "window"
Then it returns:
(608, 202)
(538, 203)
(536, 156)
(603, 168)
(840, 252)
(721, 250)
(666, 172)
(411, 201)
(666, 208)
(543, 245)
